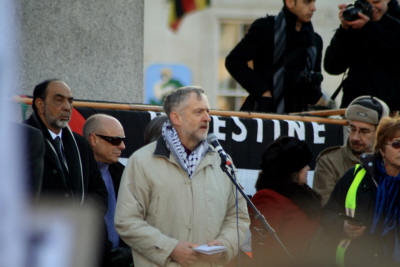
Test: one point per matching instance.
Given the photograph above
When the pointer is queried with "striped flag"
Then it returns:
(178, 8)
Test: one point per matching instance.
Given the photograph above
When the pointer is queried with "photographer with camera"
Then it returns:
(286, 54)
(367, 45)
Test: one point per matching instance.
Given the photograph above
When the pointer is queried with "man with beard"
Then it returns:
(364, 114)
(174, 196)
(70, 171)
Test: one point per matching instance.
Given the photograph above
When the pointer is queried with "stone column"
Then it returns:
(96, 47)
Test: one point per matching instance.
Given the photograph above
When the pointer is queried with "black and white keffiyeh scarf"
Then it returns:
(188, 163)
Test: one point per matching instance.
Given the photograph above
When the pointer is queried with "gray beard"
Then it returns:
(56, 123)
(59, 124)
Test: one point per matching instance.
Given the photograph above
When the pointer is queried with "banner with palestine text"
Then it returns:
(243, 139)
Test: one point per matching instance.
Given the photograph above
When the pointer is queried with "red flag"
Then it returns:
(77, 121)
(178, 8)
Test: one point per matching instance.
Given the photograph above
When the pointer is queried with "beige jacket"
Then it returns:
(159, 205)
(332, 163)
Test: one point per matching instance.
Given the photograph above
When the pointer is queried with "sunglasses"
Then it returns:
(114, 140)
(395, 144)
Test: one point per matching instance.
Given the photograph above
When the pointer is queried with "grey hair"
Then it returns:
(174, 99)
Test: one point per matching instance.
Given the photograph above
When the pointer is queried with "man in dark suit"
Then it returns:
(106, 136)
(70, 170)
(33, 144)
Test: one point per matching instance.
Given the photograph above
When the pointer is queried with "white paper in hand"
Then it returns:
(205, 249)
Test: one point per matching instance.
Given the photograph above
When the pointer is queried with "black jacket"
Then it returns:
(366, 250)
(33, 144)
(371, 55)
(258, 46)
(78, 187)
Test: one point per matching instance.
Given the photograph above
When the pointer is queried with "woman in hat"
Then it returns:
(288, 204)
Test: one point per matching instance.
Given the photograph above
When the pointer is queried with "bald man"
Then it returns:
(106, 136)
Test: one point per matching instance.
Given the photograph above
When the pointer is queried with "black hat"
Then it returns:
(285, 156)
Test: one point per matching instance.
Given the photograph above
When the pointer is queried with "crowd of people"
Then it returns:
(172, 197)
(158, 215)
(286, 57)
(133, 202)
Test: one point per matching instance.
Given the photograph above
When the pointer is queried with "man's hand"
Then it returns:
(267, 94)
(213, 257)
(356, 24)
(353, 231)
(184, 254)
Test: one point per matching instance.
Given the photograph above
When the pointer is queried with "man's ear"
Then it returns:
(92, 140)
(290, 3)
(175, 118)
(39, 103)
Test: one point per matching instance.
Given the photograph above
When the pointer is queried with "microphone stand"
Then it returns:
(264, 224)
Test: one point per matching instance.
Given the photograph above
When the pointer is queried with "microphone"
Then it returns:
(213, 141)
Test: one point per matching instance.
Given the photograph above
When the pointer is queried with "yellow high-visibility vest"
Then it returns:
(350, 205)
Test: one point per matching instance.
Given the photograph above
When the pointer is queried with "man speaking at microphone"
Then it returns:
(174, 196)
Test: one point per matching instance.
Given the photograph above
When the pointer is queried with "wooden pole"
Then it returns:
(323, 113)
(250, 115)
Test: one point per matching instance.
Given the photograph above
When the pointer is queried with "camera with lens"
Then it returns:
(351, 11)
(309, 77)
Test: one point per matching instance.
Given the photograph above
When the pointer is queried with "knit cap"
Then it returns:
(367, 109)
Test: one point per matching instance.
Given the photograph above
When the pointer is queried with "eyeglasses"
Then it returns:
(114, 140)
(364, 132)
(395, 144)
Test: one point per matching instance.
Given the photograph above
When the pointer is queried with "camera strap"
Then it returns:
(337, 91)
(286, 59)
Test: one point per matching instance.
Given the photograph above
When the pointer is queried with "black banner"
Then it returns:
(244, 139)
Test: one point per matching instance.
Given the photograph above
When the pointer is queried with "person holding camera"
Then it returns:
(286, 55)
(367, 45)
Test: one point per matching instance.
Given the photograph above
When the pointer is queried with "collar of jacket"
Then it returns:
(40, 125)
(290, 17)
(368, 161)
(387, 21)
(72, 154)
(163, 151)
